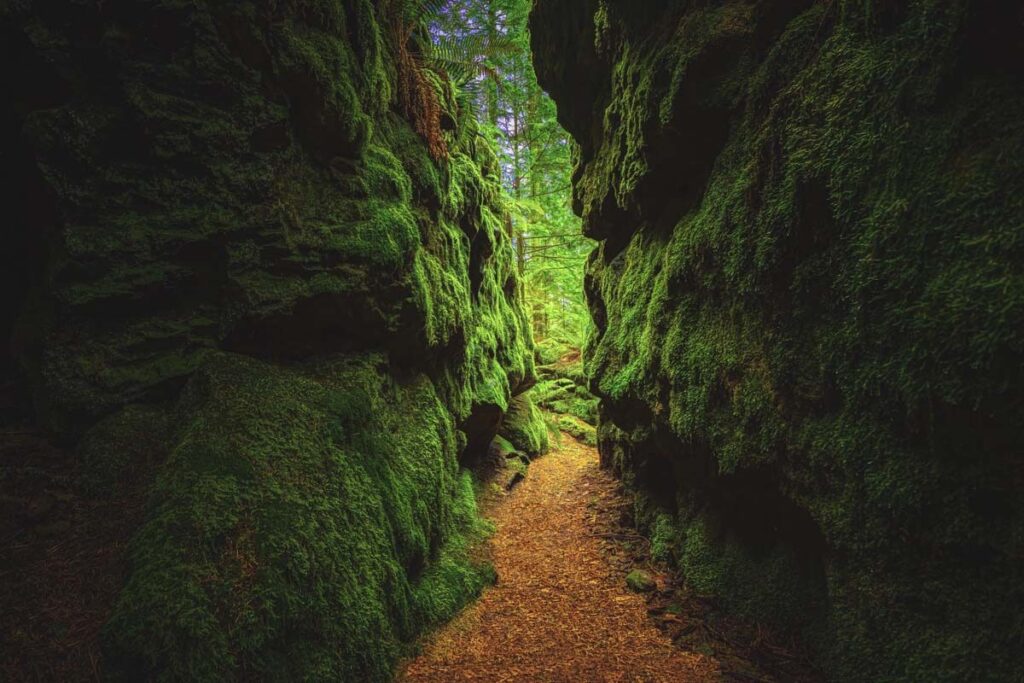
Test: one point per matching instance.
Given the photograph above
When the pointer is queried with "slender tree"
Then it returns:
(535, 152)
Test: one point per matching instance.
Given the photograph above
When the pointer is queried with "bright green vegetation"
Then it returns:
(524, 427)
(809, 302)
(640, 581)
(578, 429)
(565, 396)
(536, 158)
(504, 447)
(282, 278)
(307, 522)
(535, 155)
(562, 388)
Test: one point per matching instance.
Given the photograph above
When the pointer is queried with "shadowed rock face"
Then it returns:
(199, 178)
(216, 210)
(808, 299)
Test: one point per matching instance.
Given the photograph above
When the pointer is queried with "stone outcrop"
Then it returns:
(221, 229)
(562, 389)
(808, 302)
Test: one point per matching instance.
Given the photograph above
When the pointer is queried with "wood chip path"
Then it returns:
(560, 611)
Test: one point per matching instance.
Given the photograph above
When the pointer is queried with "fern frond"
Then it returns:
(467, 58)
(468, 61)
(422, 12)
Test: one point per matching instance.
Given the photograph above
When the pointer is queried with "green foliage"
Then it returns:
(463, 59)
(468, 58)
(486, 43)
(553, 349)
(422, 13)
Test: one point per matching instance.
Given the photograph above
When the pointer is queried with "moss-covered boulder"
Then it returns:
(524, 426)
(236, 256)
(565, 396)
(808, 300)
(307, 522)
(577, 429)
(562, 387)
(121, 449)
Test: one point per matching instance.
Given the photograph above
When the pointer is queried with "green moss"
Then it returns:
(765, 586)
(563, 388)
(307, 52)
(640, 581)
(664, 538)
(122, 447)
(246, 183)
(524, 427)
(830, 308)
(552, 349)
(307, 523)
(577, 429)
(504, 446)
(519, 467)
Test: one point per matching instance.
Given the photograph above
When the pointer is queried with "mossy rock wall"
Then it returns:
(809, 298)
(229, 250)
(209, 176)
(307, 524)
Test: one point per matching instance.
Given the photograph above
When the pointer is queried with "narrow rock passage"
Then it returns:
(559, 612)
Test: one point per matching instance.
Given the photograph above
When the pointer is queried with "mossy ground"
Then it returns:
(578, 429)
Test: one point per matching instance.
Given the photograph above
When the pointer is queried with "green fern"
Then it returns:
(467, 61)
(423, 12)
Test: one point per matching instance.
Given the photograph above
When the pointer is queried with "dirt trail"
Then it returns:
(560, 611)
